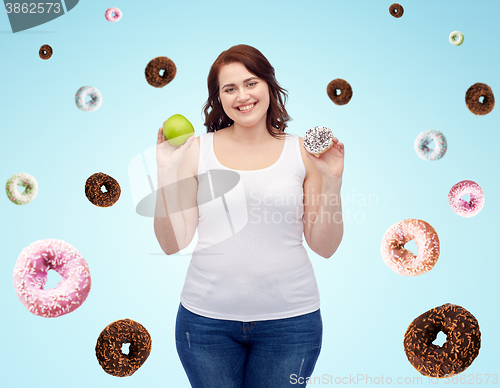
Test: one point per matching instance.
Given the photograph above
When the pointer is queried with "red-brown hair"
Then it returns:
(258, 65)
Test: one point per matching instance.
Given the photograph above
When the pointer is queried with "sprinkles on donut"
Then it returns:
(456, 38)
(25, 180)
(473, 99)
(30, 276)
(463, 340)
(95, 194)
(45, 52)
(153, 69)
(113, 14)
(339, 91)
(462, 207)
(93, 104)
(423, 140)
(318, 140)
(403, 261)
(108, 348)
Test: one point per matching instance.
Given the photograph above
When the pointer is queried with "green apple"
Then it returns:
(177, 129)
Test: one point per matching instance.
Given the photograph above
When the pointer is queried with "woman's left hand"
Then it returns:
(330, 164)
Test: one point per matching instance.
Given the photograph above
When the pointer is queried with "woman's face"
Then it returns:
(244, 96)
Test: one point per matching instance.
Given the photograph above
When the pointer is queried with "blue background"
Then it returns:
(406, 78)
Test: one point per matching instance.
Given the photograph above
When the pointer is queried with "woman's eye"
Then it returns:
(231, 89)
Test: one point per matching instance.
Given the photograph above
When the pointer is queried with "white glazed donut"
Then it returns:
(456, 38)
(422, 141)
(25, 180)
(30, 276)
(113, 14)
(318, 140)
(93, 104)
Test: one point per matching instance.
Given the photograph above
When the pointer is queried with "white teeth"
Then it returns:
(247, 107)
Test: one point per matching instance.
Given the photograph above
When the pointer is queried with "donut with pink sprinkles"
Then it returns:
(462, 207)
(113, 14)
(95, 99)
(423, 141)
(30, 276)
(24, 180)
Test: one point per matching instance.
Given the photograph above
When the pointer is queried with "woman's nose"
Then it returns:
(242, 96)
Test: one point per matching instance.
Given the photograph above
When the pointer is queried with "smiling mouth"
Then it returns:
(247, 107)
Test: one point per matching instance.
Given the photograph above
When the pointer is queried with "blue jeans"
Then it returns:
(277, 353)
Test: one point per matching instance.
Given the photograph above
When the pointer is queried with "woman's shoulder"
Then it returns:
(192, 157)
(307, 163)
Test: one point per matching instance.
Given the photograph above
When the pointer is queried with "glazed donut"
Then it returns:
(422, 142)
(45, 52)
(113, 14)
(93, 104)
(339, 91)
(318, 140)
(396, 10)
(24, 180)
(94, 193)
(403, 261)
(153, 71)
(108, 349)
(456, 38)
(462, 207)
(30, 276)
(463, 340)
(474, 93)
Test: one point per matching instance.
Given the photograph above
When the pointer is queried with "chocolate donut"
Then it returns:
(472, 99)
(396, 10)
(45, 52)
(463, 340)
(108, 349)
(153, 71)
(339, 91)
(94, 193)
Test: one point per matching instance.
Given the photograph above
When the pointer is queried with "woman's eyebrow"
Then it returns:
(244, 81)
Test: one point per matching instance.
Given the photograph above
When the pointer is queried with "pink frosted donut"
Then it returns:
(30, 276)
(113, 14)
(403, 261)
(462, 207)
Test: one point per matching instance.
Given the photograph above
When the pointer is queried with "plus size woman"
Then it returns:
(249, 313)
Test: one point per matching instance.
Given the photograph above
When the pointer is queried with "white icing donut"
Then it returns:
(422, 145)
(456, 38)
(318, 140)
(93, 104)
(25, 180)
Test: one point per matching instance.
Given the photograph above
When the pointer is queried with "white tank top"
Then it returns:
(249, 263)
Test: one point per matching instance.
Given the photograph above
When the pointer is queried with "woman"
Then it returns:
(249, 314)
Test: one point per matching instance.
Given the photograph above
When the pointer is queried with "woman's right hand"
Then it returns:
(168, 155)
